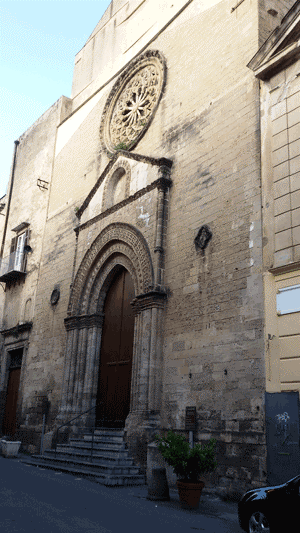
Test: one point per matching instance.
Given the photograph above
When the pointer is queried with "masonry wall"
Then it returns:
(29, 203)
(208, 123)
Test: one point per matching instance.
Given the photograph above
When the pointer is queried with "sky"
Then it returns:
(38, 43)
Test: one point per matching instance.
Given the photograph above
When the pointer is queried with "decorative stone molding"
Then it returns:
(16, 330)
(116, 239)
(55, 295)
(83, 321)
(121, 168)
(149, 300)
(162, 162)
(132, 102)
(203, 237)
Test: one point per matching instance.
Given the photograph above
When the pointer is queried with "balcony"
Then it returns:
(12, 267)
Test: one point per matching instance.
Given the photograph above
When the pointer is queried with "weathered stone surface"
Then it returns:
(199, 337)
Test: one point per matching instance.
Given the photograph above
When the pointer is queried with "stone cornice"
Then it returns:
(160, 162)
(149, 300)
(16, 330)
(162, 183)
(281, 48)
(83, 321)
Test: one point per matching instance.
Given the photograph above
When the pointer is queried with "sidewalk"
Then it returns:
(39, 500)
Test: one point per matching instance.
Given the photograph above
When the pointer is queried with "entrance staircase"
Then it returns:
(110, 463)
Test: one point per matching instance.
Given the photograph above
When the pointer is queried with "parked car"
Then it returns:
(271, 509)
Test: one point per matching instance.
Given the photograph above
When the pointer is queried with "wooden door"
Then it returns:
(116, 353)
(9, 420)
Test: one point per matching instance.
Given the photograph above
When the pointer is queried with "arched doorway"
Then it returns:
(116, 353)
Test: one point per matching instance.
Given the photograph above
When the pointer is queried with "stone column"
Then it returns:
(90, 383)
(83, 334)
(163, 186)
(67, 371)
(80, 370)
(143, 419)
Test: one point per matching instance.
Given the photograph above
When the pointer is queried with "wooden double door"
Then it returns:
(116, 353)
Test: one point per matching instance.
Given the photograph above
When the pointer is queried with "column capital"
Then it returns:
(149, 300)
(83, 321)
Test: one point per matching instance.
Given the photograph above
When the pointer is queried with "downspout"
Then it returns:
(9, 198)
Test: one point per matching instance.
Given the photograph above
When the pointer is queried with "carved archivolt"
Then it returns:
(132, 102)
(117, 245)
(122, 170)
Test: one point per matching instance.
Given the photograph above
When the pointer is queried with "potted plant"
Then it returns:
(188, 464)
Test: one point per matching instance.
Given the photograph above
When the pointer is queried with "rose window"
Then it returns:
(132, 103)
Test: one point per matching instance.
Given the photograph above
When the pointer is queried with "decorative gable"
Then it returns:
(282, 47)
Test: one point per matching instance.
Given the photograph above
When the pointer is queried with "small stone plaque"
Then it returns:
(190, 418)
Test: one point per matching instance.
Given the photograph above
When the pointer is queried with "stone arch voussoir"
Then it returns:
(119, 244)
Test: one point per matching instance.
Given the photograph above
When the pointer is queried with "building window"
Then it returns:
(14, 265)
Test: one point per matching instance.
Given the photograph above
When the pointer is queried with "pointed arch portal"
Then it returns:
(114, 337)
(116, 353)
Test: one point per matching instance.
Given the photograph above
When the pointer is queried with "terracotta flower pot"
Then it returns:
(189, 493)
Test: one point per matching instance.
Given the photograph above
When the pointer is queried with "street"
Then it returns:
(34, 499)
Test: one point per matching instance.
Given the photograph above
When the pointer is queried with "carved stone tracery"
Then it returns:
(132, 102)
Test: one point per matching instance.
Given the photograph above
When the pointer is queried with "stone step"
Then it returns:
(98, 468)
(109, 431)
(97, 449)
(108, 445)
(114, 439)
(110, 464)
(110, 480)
(96, 457)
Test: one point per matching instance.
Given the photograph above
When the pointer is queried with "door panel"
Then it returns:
(282, 432)
(112, 320)
(290, 370)
(127, 320)
(9, 421)
(116, 353)
(289, 324)
(290, 347)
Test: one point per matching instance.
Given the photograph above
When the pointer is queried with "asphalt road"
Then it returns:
(37, 500)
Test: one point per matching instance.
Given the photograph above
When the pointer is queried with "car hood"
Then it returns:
(261, 493)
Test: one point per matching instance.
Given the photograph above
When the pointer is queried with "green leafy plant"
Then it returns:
(121, 146)
(188, 463)
(124, 146)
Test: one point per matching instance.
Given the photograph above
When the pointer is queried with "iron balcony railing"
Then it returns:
(12, 266)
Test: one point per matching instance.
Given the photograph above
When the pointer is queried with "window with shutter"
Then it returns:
(12, 254)
(19, 252)
(13, 267)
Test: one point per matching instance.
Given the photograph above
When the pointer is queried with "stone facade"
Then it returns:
(158, 145)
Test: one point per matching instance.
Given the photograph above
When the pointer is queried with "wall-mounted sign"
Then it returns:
(190, 418)
(288, 300)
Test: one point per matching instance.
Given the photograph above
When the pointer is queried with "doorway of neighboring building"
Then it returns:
(9, 420)
(116, 353)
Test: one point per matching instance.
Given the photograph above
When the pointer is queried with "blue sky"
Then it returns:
(38, 43)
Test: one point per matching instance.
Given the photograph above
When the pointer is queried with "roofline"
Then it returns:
(288, 20)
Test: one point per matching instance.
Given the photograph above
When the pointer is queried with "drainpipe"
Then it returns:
(9, 198)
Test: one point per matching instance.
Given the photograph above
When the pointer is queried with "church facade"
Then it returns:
(136, 255)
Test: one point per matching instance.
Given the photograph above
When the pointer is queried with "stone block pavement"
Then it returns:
(40, 500)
